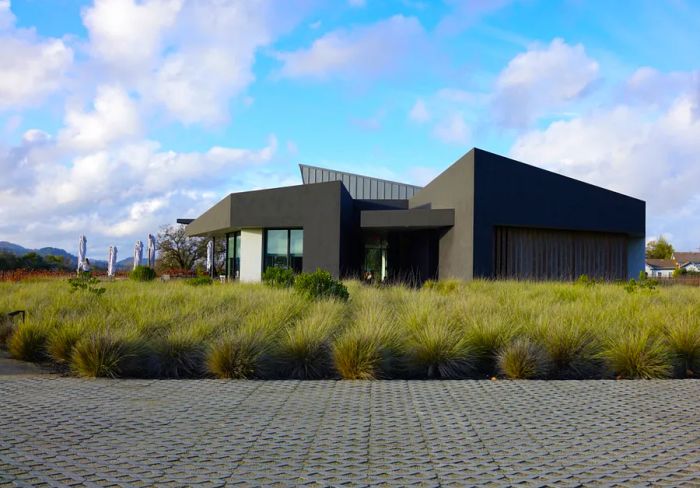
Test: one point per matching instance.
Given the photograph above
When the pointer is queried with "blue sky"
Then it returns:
(119, 116)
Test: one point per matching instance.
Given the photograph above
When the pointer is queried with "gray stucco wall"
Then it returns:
(453, 188)
(315, 208)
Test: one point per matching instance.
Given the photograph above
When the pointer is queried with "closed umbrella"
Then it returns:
(151, 251)
(112, 261)
(210, 257)
(82, 248)
(138, 253)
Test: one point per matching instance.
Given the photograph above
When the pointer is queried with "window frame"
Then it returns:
(289, 244)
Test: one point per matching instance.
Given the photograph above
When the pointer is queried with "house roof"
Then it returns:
(360, 187)
(686, 257)
(661, 263)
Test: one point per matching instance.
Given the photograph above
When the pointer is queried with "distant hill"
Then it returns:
(18, 250)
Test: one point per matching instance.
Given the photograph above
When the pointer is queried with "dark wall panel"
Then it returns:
(512, 194)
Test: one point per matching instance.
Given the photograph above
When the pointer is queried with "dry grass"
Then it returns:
(454, 330)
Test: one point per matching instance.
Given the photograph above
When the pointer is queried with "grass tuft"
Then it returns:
(28, 342)
(572, 351)
(102, 354)
(522, 359)
(62, 341)
(637, 354)
(684, 342)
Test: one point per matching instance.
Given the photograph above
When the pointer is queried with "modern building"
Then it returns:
(486, 216)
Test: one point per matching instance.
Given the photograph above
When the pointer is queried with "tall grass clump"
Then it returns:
(367, 349)
(571, 349)
(486, 336)
(522, 359)
(304, 350)
(434, 344)
(7, 326)
(105, 354)
(246, 351)
(62, 341)
(637, 354)
(28, 341)
(684, 343)
(180, 353)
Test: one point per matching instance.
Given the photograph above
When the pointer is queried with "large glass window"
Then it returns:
(284, 248)
(233, 255)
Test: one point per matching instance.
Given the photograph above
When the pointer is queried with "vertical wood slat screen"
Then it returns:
(542, 254)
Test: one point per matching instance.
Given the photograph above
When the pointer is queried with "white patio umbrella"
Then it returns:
(82, 249)
(112, 261)
(138, 253)
(151, 251)
(210, 256)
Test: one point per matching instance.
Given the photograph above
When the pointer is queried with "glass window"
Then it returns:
(284, 248)
(233, 255)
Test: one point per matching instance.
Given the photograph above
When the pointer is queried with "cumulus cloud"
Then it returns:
(540, 80)
(364, 51)
(114, 117)
(645, 150)
(31, 66)
(190, 58)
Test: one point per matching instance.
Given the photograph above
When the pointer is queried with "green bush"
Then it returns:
(637, 354)
(142, 273)
(86, 282)
(522, 359)
(28, 342)
(102, 355)
(199, 281)
(320, 284)
(278, 277)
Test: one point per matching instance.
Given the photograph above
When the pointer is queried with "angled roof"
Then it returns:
(360, 187)
(661, 263)
(686, 257)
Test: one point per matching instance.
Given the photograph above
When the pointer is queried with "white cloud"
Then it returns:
(32, 67)
(113, 118)
(365, 51)
(419, 112)
(453, 130)
(641, 149)
(128, 35)
(540, 80)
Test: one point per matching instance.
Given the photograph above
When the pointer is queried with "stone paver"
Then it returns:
(58, 431)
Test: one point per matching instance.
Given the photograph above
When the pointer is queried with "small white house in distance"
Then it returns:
(660, 268)
(687, 260)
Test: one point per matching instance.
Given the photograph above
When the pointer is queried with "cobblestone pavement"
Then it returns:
(67, 431)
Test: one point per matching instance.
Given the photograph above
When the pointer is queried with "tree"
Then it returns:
(659, 249)
(176, 249)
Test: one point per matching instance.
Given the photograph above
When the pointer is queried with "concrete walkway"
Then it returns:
(11, 367)
(57, 431)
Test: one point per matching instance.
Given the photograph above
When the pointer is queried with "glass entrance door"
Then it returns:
(375, 260)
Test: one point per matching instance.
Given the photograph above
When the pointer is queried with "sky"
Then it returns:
(120, 116)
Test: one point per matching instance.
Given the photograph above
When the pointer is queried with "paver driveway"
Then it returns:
(66, 431)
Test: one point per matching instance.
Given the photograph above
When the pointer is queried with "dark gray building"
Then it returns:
(486, 216)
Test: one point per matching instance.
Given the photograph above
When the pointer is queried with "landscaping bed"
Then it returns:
(479, 329)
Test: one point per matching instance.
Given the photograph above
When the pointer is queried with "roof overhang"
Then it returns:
(414, 218)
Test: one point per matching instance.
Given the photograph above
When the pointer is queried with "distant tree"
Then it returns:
(176, 249)
(659, 249)
(8, 261)
(57, 262)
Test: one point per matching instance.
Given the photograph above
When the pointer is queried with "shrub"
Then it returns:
(142, 273)
(304, 351)
(367, 349)
(320, 284)
(434, 346)
(179, 355)
(28, 342)
(102, 354)
(572, 351)
(62, 341)
(637, 354)
(237, 356)
(86, 282)
(522, 359)
(199, 281)
(684, 342)
(277, 277)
